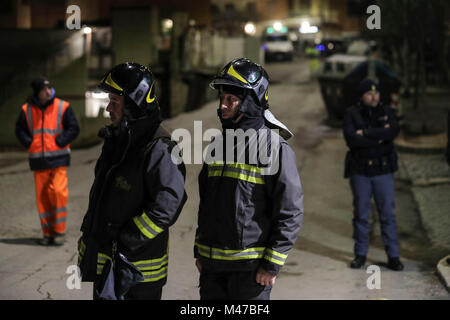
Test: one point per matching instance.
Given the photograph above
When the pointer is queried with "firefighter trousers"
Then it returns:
(52, 196)
(232, 285)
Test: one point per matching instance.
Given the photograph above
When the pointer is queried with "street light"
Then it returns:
(278, 26)
(250, 28)
(87, 30)
(166, 26)
(307, 28)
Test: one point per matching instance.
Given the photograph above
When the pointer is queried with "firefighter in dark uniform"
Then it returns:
(248, 218)
(369, 130)
(137, 194)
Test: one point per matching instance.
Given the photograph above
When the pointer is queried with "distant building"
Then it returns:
(332, 16)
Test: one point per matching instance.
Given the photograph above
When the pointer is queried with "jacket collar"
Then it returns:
(142, 129)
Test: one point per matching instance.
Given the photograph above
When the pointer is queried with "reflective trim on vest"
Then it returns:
(30, 117)
(48, 131)
(44, 125)
(221, 254)
(147, 226)
(58, 116)
(50, 153)
(238, 171)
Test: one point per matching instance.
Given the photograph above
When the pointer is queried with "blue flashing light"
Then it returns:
(320, 47)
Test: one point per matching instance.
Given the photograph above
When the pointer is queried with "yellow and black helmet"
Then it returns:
(245, 74)
(136, 83)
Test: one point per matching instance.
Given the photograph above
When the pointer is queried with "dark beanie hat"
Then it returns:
(237, 91)
(38, 84)
(367, 85)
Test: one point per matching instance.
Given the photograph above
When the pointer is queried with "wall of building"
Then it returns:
(132, 38)
(272, 9)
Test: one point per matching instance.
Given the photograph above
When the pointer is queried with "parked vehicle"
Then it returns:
(277, 47)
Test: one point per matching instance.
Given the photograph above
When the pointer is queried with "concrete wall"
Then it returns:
(133, 36)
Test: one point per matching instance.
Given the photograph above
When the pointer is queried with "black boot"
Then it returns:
(358, 262)
(395, 264)
(59, 239)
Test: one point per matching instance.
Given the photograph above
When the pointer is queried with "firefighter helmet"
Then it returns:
(136, 83)
(245, 74)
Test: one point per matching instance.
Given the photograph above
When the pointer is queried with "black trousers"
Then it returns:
(141, 291)
(240, 285)
(144, 291)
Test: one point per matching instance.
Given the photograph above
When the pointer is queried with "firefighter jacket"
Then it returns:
(46, 130)
(248, 217)
(372, 153)
(138, 192)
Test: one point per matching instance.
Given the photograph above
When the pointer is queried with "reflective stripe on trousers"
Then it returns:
(52, 196)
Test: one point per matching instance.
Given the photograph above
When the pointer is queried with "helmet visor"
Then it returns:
(222, 81)
(110, 86)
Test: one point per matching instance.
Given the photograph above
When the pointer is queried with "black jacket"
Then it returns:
(247, 217)
(373, 153)
(70, 132)
(138, 192)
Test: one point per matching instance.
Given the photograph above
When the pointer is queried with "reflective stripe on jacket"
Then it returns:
(137, 194)
(247, 217)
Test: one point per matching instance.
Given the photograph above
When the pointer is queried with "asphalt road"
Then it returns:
(317, 267)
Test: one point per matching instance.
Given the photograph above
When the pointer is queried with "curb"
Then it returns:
(424, 144)
(443, 269)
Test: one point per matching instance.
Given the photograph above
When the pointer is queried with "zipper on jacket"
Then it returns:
(109, 172)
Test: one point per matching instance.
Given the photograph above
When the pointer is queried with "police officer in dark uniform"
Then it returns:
(369, 130)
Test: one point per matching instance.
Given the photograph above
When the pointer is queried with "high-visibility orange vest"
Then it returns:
(44, 127)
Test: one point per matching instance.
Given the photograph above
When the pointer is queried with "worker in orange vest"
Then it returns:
(46, 125)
